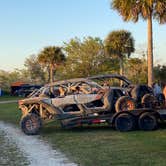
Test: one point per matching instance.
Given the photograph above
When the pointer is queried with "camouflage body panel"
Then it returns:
(74, 99)
(46, 106)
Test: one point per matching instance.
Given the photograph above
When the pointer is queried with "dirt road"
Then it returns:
(9, 101)
(34, 151)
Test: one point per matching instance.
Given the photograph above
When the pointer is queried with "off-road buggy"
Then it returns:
(136, 96)
(78, 101)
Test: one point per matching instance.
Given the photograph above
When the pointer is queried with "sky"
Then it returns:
(26, 26)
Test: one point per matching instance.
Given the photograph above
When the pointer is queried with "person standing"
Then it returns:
(156, 89)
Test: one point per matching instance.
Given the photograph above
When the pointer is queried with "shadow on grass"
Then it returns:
(162, 125)
(56, 127)
(101, 145)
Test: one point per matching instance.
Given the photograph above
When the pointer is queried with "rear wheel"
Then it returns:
(31, 124)
(125, 103)
(148, 101)
(125, 122)
(147, 121)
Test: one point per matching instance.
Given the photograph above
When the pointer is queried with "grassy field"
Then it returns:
(9, 153)
(10, 113)
(7, 97)
(100, 145)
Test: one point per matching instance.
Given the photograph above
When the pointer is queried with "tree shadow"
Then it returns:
(58, 129)
(55, 127)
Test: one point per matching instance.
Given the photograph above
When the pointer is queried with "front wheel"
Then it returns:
(31, 124)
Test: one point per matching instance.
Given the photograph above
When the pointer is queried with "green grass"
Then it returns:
(9, 153)
(10, 113)
(7, 97)
(100, 145)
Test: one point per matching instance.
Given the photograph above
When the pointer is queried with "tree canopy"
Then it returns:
(136, 70)
(34, 69)
(86, 57)
(160, 73)
(146, 9)
(51, 57)
(119, 44)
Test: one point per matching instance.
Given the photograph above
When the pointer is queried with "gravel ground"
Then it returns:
(9, 153)
(17, 149)
(10, 101)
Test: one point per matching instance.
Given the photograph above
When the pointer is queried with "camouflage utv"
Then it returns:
(76, 102)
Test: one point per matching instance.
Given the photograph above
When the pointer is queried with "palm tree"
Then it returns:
(51, 57)
(119, 44)
(146, 9)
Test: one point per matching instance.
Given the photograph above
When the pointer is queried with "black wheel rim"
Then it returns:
(124, 124)
(148, 123)
(32, 124)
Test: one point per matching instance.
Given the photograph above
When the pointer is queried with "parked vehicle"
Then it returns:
(23, 89)
(83, 101)
(136, 96)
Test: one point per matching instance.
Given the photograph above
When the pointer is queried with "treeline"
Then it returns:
(81, 58)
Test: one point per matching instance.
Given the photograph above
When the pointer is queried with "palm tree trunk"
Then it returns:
(121, 65)
(48, 71)
(51, 74)
(150, 51)
(121, 68)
